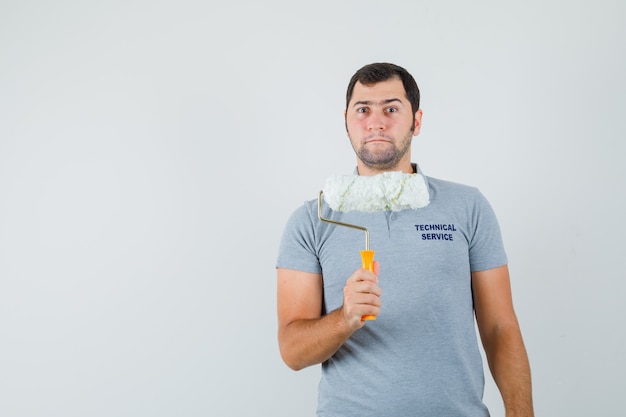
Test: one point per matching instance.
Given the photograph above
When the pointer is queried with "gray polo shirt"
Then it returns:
(421, 356)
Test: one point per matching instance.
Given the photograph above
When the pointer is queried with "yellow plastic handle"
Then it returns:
(367, 258)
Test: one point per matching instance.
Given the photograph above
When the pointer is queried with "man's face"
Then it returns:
(380, 124)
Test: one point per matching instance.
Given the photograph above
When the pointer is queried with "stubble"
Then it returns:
(384, 159)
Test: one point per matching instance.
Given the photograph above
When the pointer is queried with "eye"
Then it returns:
(361, 110)
(391, 109)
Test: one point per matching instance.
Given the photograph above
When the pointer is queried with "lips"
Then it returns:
(377, 140)
(377, 137)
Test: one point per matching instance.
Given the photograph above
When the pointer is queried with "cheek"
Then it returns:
(355, 123)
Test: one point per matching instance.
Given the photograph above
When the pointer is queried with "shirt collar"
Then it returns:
(416, 169)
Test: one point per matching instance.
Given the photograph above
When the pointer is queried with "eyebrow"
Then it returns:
(379, 103)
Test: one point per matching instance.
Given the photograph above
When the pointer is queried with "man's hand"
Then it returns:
(361, 296)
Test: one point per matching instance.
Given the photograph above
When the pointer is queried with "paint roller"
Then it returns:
(389, 191)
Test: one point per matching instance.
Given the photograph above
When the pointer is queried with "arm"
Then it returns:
(502, 340)
(305, 336)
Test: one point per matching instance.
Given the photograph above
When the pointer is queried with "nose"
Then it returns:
(375, 121)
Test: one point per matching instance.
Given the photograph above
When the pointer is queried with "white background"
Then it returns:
(151, 151)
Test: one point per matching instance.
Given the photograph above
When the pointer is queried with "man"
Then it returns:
(420, 357)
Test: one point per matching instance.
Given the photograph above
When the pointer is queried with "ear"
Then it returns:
(418, 122)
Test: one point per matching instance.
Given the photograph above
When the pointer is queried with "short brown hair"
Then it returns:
(382, 71)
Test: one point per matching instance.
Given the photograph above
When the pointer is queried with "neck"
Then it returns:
(405, 167)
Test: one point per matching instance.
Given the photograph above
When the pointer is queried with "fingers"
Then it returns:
(361, 296)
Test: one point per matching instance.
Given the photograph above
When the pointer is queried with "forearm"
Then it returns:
(308, 342)
(509, 366)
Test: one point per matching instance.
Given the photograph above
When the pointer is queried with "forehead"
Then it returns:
(383, 90)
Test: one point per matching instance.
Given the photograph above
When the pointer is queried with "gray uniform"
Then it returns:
(420, 357)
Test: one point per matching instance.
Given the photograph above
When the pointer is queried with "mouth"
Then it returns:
(377, 139)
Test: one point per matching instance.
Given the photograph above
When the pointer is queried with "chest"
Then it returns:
(423, 258)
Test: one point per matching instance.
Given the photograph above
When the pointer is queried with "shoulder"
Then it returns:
(452, 196)
(302, 220)
(307, 210)
(439, 188)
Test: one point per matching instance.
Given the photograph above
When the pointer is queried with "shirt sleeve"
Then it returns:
(297, 248)
(486, 249)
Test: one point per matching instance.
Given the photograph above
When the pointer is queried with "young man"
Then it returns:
(421, 356)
